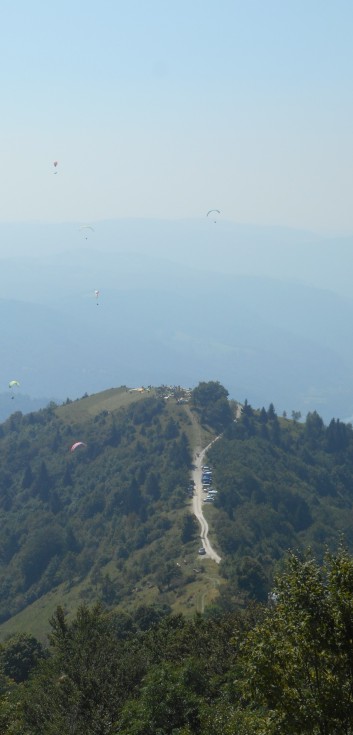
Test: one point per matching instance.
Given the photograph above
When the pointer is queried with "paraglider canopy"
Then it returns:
(213, 211)
(12, 383)
(85, 230)
(77, 444)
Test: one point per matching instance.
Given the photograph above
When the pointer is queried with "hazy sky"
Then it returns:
(168, 108)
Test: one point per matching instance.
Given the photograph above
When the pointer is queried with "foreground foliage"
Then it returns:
(283, 667)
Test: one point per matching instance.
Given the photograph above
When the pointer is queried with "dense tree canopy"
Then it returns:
(280, 485)
(282, 667)
(211, 400)
(64, 515)
(298, 660)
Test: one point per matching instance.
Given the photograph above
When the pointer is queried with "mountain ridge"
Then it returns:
(113, 520)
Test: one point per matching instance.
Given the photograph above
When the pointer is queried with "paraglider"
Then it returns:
(210, 211)
(96, 294)
(55, 164)
(12, 385)
(85, 230)
(77, 444)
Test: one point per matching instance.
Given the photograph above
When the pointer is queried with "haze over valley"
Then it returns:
(265, 311)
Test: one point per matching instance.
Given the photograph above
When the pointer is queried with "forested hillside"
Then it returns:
(281, 485)
(112, 520)
(106, 531)
(103, 517)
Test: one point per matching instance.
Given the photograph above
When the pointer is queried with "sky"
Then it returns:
(166, 109)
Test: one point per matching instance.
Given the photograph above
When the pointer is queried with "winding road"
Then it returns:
(198, 459)
(197, 501)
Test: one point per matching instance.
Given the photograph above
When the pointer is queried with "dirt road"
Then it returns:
(198, 460)
(197, 502)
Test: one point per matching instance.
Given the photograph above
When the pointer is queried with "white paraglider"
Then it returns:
(86, 229)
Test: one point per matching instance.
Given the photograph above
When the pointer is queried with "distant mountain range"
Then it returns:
(179, 302)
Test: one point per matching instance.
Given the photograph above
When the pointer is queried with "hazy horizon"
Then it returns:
(225, 247)
(180, 303)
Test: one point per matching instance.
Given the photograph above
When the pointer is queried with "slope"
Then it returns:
(281, 485)
(108, 521)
